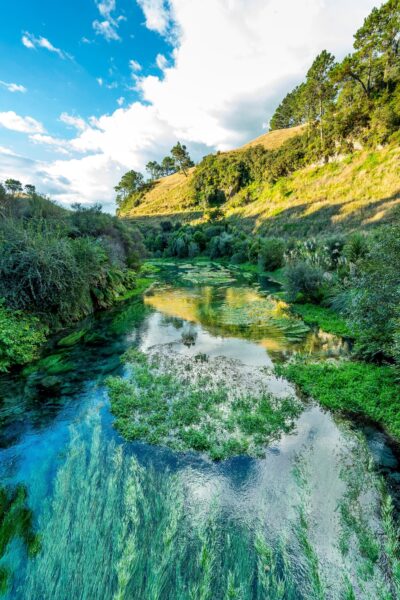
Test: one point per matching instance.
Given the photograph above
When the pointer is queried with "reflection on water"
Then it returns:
(133, 521)
(231, 312)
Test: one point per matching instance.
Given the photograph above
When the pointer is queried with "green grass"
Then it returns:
(354, 388)
(325, 318)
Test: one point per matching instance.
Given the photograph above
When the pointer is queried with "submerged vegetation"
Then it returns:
(16, 521)
(191, 405)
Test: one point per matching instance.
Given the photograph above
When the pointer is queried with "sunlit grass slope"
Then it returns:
(357, 191)
(172, 195)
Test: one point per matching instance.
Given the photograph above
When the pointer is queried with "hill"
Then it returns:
(172, 196)
(355, 191)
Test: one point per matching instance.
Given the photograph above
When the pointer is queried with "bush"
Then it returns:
(375, 303)
(271, 254)
(304, 283)
(20, 337)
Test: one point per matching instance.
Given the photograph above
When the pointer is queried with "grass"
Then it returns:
(162, 409)
(354, 388)
(325, 318)
(337, 197)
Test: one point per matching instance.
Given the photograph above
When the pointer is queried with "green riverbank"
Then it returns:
(352, 388)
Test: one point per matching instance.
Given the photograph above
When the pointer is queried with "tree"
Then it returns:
(319, 91)
(289, 113)
(154, 169)
(168, 166)
(13, 186)
(30, 189)
(130, 183)
(182, 159)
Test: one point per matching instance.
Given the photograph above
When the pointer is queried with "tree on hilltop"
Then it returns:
(182, 159)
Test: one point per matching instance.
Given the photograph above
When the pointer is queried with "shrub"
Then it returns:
(20, 337)
(375, 304)
(304, 282)
(271, 254)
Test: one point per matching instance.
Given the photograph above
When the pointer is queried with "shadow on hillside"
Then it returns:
(298, 221)
(151, 220)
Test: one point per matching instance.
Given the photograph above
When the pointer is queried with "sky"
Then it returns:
(92, 88)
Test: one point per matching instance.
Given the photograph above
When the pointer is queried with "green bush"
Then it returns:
(304, 282)
(374, 305)
(20, 337)
(271, 254)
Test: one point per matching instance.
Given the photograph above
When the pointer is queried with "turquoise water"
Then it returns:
(134, 521)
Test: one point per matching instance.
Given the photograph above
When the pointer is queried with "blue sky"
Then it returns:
(87, 84)
(92, 88)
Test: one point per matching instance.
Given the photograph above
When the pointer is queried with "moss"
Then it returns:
(325, 318)
(161, 409)
(355, 388)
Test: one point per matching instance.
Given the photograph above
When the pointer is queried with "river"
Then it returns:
(131, 520)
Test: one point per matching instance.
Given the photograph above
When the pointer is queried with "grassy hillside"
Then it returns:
(274, 139)
(360, 191)
(172, 196)
(357, 191)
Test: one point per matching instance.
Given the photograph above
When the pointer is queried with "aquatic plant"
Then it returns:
(16, 521)
(164, 406)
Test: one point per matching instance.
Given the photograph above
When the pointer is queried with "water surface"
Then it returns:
(131, 520)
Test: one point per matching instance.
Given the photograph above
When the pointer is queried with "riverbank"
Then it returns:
(355, 389)
(23, 335)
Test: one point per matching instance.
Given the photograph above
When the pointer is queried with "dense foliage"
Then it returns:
(58, 265)
(356, 99)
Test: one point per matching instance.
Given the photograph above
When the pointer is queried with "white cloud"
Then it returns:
(107, 28)
(157, 14)
(31, 41)
(10, 120)
(161, 62)
(13, 87)
(100, 81)
(231, 65)
(76, 122)
(134, 65)
(58, 145)
(27, 42)
(120, 101)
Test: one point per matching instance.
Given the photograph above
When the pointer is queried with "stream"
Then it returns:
(130, 520)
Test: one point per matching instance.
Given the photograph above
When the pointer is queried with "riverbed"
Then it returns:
(133, 520)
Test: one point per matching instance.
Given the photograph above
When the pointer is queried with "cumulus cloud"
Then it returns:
(161, 61)
(13, 87)
(10, 120)
(32, 42)
(157, 14)
(232, 62)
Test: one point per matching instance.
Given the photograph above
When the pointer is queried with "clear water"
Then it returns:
(133, 521)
